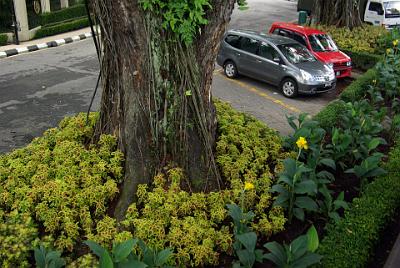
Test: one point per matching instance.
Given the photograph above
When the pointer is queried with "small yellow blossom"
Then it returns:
(395, 42)
(388, 51)
(248, 186)
(302, 143)
(374, 81)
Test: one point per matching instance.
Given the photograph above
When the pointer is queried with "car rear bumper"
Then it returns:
(315, 89)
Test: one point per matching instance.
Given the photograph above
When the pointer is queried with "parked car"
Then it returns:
(276, 60)
(318, 43)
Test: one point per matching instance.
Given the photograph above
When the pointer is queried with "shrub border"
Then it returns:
(350, 242)
(62, 27)
(63, 14)
(3, 39)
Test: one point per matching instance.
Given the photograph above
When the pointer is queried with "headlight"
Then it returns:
(348, 63)
(307, 77)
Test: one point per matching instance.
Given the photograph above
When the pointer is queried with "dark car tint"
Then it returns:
(268, 52)
(233, 40)
(249, 45)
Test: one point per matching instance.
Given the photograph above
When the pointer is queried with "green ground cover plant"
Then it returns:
(76, 11)
(3, 39)
(56, 192)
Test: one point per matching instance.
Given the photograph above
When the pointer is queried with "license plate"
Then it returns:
(328, 84)
(337, 73)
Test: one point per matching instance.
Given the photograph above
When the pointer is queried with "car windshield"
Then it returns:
(296, 53)
(392, 9)
(322, 43)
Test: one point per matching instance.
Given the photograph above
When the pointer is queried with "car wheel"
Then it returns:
(289, 88)
(230, 69)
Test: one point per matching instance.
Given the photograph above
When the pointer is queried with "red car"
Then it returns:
(318, 43)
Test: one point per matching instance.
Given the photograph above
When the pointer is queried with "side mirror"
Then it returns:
(380, 12)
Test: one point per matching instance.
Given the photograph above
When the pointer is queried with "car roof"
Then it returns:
(297, 28)
(274, 39)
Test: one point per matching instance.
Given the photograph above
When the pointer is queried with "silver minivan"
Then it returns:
(276, 60)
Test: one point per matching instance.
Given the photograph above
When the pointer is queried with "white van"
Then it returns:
(377, 12)
(383, 12)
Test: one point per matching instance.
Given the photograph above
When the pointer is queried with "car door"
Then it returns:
(267, 69)
(374, 13)
(247, 56)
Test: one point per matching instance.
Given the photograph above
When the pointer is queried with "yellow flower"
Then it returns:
(374, 81)
(248, 186)
(395, 42)
(302, 143)
(388, 51)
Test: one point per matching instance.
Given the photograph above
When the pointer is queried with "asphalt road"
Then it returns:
(38, 89)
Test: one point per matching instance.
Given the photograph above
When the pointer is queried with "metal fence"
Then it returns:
(55, 5)
(34, 9)
(6, 16)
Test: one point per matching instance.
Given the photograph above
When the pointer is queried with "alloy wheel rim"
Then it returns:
(288, 88)
(230, 70)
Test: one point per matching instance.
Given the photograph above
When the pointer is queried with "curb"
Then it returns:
(55, 43)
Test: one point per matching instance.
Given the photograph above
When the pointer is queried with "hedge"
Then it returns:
(355, 91)
(62, 28)
(358, 87)
(3, 39)
(350, 242)
(62, 15)
(363, 60)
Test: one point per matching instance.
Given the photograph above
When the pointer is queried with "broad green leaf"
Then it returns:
(374, 143)
(163, 256)
(278, 253)
(299, 246)
(277, 188)
(95, 248)
(105, 260)
(299, 213)
(312, 239)
(132, 263)
(122, 250)
(40, 257)
(306, 203)
(328, 162)
(290, 166)
(307, 260)
(235, 212)
(305, 187)
(246, 257)
(248, 240)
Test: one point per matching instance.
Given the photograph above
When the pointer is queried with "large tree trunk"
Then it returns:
(341, 13)
(157, 94)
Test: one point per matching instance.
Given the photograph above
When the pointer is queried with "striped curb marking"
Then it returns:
(55, 43)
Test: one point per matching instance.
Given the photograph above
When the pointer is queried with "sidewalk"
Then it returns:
(45, 42)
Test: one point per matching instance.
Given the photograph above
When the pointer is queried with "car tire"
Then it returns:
(230, 69)
(289, 88)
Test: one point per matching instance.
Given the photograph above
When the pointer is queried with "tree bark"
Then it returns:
(157, 94)
(341, 13)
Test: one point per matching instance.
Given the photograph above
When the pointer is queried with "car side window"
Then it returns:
(377, 7)
(285, 33)
(233, 40)
(268, 52)
(249, 45)
(276, 31)
(299, 38)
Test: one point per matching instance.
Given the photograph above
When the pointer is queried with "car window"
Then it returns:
(296, 53)
(249, 45)
(285, 33)
(377, 7)
(299, 38)
(233, 40)
(322, 43)
(276, 31)
(268, 52)
(392, 9)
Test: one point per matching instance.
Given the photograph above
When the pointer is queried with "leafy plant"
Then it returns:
(48, 258)
(329, 206)
(122, 255)
(295, 189)
(369, 167)
(245, 238)
(299, 254)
